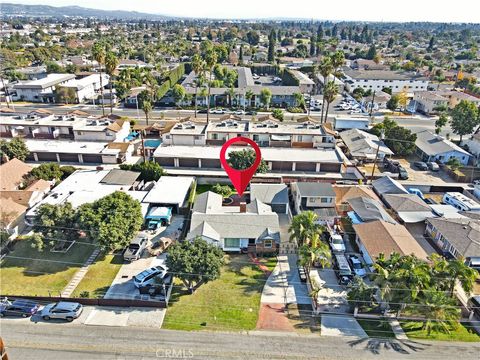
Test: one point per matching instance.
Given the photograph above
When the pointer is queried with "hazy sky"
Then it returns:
(367, 10)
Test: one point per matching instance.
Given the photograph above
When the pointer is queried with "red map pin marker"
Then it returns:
(240, 178)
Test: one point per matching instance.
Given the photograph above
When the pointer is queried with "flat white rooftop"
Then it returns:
(170, 190)
(268, 154)
(65, 146)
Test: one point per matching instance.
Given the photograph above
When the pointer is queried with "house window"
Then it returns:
(326, 200)
(267, 243)
(232, 243)
(196, 137)
(79, 133)
(214, 136)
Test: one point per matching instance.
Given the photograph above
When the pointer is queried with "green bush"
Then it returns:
(84, 294)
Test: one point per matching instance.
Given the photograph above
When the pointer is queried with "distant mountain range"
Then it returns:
(8, 9)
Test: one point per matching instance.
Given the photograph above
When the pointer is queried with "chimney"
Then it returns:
(243, 207)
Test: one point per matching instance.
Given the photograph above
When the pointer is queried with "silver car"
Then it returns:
(62, 310)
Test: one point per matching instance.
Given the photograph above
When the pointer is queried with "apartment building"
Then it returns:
(376, 80)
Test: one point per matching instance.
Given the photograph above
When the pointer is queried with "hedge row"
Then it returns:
(172, 78)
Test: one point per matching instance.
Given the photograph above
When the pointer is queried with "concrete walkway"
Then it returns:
(397, 329)
(79, 275)
(341, 325)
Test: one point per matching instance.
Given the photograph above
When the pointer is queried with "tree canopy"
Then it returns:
(16, 148)
(464, 118)
(195, 262)
(112, 221)
(149, 170)
(399, 139)
(243, 159)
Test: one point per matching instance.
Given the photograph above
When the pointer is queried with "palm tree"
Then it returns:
(303, 226)
(440, 312)
(111, 63)
(330, 92)
(338, 59)
(210, 61)
(98, 53)
(317, 251)
(248, 96)
(299, 100)
(204, 94)
(145, 103)
(266, 97)
(457, 270)
(325, 69)
(198, 66)
(230, 92)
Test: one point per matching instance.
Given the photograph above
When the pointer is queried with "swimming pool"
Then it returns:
(152, 143)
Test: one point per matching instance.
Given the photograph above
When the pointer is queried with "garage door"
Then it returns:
(92, 159)
(279, 208)
(164, 161)
(188, 163)
(305, 166)
(330, 167)
(69, 157)
(47, 157)
(211, 163)
(281, 166)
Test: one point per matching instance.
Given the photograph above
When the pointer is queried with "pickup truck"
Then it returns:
(135, 249)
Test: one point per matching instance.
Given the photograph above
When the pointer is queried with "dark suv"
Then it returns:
(20, 307)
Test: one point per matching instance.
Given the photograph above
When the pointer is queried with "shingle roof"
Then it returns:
(380, 237)
(387, 185)
(11, 174)
(405, 202)
(21, 197)
(269, 193)
(120, 177)
(369, 210)
(346, 192)
(463, 234)
(432, 144)
(363, 144)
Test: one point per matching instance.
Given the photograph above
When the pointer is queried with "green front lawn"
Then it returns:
(413, 329)
(37, 273)
(100, 276)
(229, 303)
(376, 328)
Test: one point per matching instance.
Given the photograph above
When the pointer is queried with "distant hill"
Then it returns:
(7, 9)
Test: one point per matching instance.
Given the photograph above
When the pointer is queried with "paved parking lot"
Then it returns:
(424, 177)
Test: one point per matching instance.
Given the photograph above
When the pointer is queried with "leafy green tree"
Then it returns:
(316, 251)
(253, 38)
(111, 63)
(266, 97)
(15, 148)
(198, 66)
(360, 294)
(54, 226)
(440, 311)
(223, 190)
(440, 123)
(149, 170)
(454, 271)
(67, 170)
(454, 163)
(464, 118)
(386, 125)
(178, 93)
(99, 53)
(244, 159)
(112, 221)
(195, 262)
(372, 52)
(401, 140)
(66, 95)
(47, 171)
(271, 46)
(248, 96)
(277, 114)
(393, 102)
(299, 99)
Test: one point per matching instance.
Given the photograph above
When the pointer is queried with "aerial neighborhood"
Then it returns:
(362, 218)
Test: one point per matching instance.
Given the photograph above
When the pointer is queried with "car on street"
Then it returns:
(135, 249)
(62, 310)
(18, 307)
(239, 112)
(148, 276)
(433, 166)
(336, 243)
(474, 304)
(420, 165)
(357, 266)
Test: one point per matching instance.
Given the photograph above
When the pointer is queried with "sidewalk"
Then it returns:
(79, 275)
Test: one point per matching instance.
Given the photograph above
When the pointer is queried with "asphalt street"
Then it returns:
(55, 341)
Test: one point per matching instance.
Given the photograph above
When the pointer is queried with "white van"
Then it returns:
(460, 201)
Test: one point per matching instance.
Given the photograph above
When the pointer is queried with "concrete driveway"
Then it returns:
(417, 230)
(341, 325)
(332, 296)
(122, 286)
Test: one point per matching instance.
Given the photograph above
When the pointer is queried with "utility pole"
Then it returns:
(371, 105)
(382, 136)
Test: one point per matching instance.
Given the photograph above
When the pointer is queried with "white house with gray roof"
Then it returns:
(364, 146)
(432, 147)
(376, 80)
(253, 227)
(312, 195)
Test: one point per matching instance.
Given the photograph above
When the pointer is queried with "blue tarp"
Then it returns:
(354, 217)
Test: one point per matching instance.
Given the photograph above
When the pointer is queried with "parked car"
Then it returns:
(433, 166)
(420, 165)
(343, 270)
(302, 274)
(336, 243)
(19, 307)
(135, 249)
(147, 276)
(157, 287)
(239, 112)
(357, 266)
(474, 304)
(402, 173)
(62, 310)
